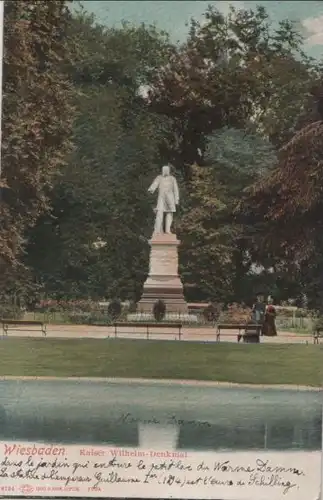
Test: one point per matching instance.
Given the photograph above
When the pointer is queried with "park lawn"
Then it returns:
(246, 363)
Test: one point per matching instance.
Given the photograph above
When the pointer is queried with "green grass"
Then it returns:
(255, 364)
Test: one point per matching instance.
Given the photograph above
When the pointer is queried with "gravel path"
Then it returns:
(202, 334)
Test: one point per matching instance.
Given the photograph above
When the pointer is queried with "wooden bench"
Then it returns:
(16, 324)
(318, 334)
(148, 327)
(250, 331)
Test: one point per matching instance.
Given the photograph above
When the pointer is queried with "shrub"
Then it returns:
(51, 305)
(212, 312)
(47, 306)
(285, 312)
(79, 318)
(89, 318)
(8, 311)
(115, 309)
(132, 307)
(100, 318)
(301, 313)
(159, 310)
(235, 313)
(318, 322)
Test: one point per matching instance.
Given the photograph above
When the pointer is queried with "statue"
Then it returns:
(168, 198)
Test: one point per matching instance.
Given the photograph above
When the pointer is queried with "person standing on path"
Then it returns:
(269, 326)
(259, 309)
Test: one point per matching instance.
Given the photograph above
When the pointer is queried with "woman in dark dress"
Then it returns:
(269, 325)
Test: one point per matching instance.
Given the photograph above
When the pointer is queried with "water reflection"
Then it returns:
(208, 418)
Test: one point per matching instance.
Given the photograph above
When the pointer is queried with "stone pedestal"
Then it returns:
(163, 281)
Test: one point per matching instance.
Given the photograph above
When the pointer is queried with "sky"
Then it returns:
(173, 15)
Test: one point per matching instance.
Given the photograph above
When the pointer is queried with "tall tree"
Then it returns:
(101, 214)
(285, 208)
(215, 255)
(236, 71)
(37, 118)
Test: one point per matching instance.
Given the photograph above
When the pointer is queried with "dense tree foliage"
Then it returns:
(285, 207)
(101, 214)
(235, 71)
(36, 121)
(210, 233)
(229, 108)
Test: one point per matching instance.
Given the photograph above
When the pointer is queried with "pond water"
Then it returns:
(206, 418)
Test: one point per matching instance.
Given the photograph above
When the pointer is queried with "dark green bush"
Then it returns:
(114, 309)
(132, 307)
(159, 310)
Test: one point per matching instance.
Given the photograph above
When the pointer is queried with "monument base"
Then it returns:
(163, 282)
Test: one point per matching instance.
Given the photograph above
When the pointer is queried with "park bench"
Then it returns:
(318, 334)
(148, 327)
(18, 325)
(250, 333)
